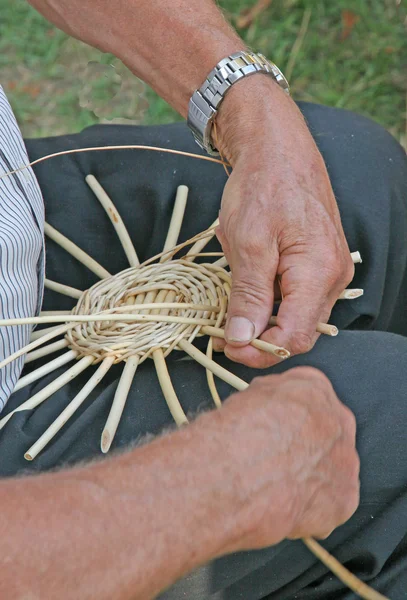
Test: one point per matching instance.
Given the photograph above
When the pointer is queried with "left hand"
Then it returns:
(279, 218)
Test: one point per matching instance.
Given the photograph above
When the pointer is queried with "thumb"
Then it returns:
(251, 302)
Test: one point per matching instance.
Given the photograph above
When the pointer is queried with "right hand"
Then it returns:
(279, 225)
(291, 444)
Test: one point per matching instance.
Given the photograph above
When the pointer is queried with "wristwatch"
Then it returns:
(205, 102)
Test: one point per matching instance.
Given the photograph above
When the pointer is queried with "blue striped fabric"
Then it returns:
(21, 246)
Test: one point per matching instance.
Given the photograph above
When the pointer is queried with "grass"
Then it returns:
(349, 54)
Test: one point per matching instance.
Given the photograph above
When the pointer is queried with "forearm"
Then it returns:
(277, 460)
(170, 45)
(125, 528)
(173, 46)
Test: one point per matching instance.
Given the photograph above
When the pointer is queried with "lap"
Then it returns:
(354, 363)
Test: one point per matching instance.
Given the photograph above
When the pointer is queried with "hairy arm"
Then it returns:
(170, 45)
(277, 461)
(124, 528)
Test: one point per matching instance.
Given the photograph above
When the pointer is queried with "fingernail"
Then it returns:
(239, 329)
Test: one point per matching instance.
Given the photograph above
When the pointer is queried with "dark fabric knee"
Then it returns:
(367, 370)
(368, 171)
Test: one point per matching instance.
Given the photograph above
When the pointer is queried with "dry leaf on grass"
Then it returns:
(248, 15)
(349, 20)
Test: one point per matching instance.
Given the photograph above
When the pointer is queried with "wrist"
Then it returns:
(257, 472)
(254, 116)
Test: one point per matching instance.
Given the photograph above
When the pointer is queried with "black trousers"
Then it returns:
(367, 362)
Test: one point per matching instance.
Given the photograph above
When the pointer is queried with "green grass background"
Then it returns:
(53, 91)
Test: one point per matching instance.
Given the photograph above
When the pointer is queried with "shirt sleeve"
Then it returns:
(21, 246)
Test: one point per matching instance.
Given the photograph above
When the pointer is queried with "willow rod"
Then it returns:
(219, 371)
(351, 294)
(75, 251)
(67, 413)
(324, 328)
(160, 364)
(39, 333)
(354, 583)
(50, 349)
(49, 313)
(259, 344)
(209, 353)
(176, 219)
(115, 219)
(45, 338)
(207, 234)
(65, 290)
(76, 319)
(103, 148)
(221, 262)
(356, 257)
(45, 369)
(51, 388)
(170, 396)
(200, 244)
(119, 402)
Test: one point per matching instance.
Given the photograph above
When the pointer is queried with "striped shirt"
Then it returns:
(21, 246)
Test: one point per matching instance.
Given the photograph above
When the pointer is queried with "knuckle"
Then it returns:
(258, 381)
(350, 504)
(301, 342)
(338, 268)
(310, 373)
(249, 291)
(349, 421)
(348, 272)
(354, 467)
(350, 466)
(332, 262)
(250, 246)
(264, 381)
(323, 534)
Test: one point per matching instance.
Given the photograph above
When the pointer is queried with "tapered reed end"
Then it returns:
(106, 441)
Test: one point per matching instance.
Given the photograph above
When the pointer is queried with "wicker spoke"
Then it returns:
(49, 349)
(119, 402)
(65, 290)
(176, 219)
(45, 369)
(51, 388)
(115, 219)
(67, 413)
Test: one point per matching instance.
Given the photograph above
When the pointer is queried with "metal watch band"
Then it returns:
(205, 102)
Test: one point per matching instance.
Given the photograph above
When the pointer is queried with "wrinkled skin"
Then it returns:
(292, 445)
(280, 226)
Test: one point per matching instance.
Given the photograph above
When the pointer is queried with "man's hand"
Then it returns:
(279, 219)
(291, 447)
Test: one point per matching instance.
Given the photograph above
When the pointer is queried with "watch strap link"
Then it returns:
(204, 103)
